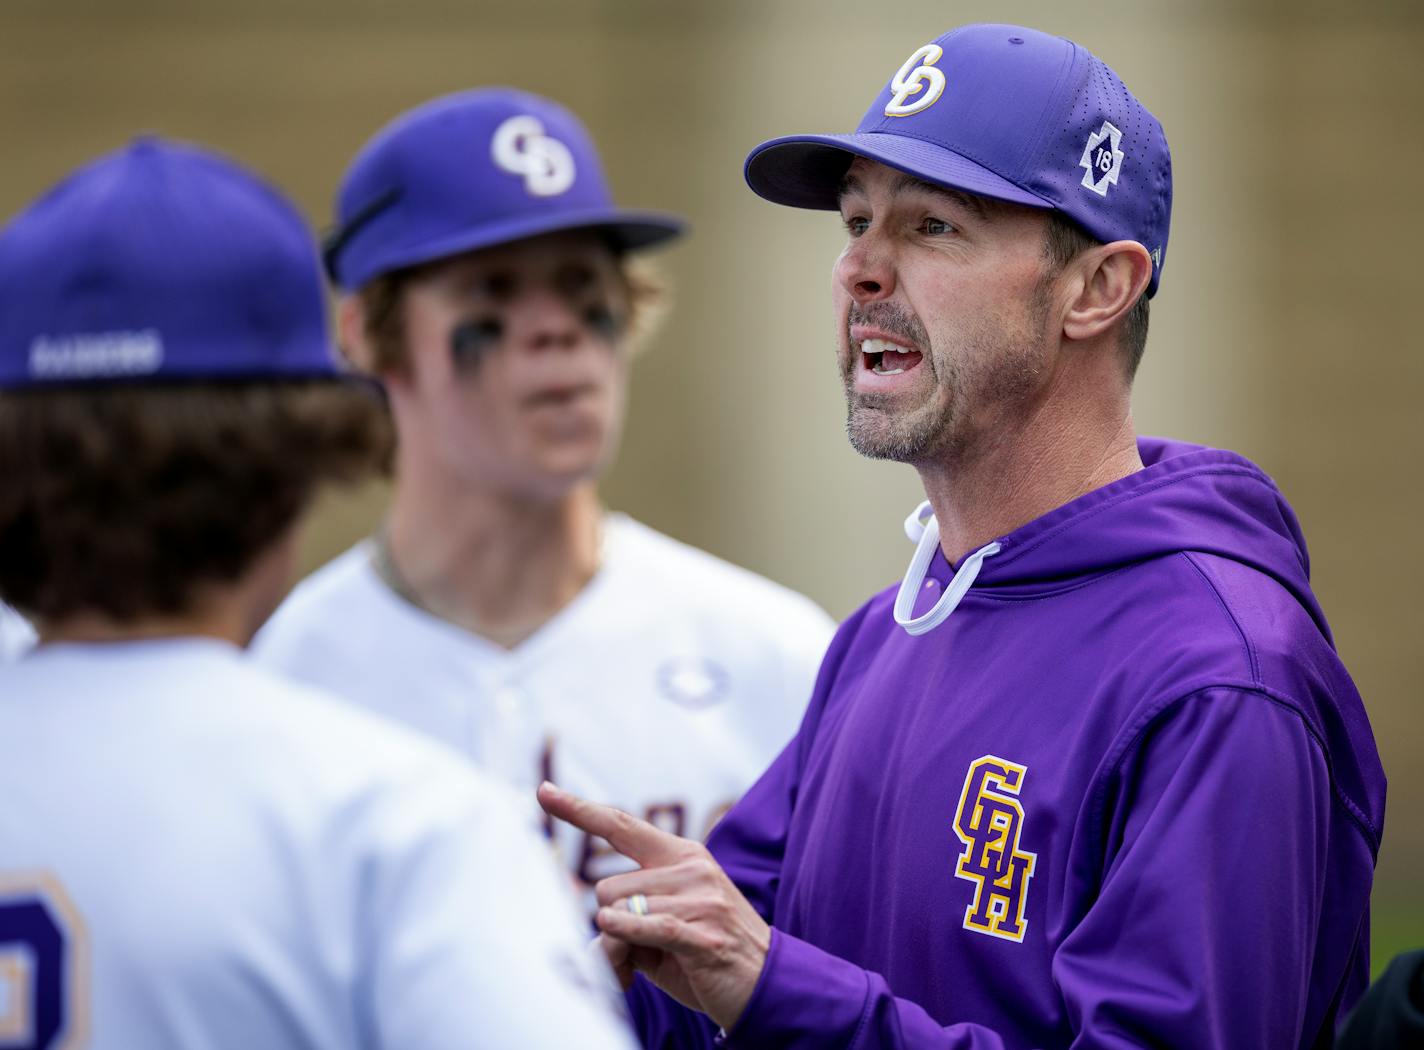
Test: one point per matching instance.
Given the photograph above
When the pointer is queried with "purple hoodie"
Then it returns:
(1126, 795)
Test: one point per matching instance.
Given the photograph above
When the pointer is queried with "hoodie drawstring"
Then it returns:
(922, 526)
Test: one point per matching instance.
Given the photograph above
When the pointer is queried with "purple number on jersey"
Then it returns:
(34, 973)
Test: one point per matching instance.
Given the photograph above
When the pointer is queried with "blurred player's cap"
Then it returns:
(474, 170)
(160, 261)
(1005, 112)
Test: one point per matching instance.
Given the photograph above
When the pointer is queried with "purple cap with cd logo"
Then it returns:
(474, 170)
(1005, 112)
(160, 261)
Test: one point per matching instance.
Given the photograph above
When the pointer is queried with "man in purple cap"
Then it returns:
(196, 853)
(489, 284)
(1093, 774)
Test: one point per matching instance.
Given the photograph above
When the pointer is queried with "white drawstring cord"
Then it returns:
(922, 526)
(918, 519)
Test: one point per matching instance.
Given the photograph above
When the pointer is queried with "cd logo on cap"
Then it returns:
(917, 75)
(520, 147)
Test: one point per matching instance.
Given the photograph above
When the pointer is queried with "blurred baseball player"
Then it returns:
(501, 608)
(194, 852)
(1093, 775)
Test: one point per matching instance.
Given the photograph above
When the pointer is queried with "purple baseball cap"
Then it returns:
(474, 170)
(160, 261)
(1005, 112)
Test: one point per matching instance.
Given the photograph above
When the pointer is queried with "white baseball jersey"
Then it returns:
(16, 636)
(195, 853)
(665, 688)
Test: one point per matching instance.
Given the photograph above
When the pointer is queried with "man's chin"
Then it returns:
(876, 434)
(563, 474)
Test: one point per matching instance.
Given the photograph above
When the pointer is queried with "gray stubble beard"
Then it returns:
(878, 432)
(939, 430)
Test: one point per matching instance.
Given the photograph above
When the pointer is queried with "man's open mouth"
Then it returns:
(885, 358)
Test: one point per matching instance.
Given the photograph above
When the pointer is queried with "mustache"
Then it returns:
(891, 318)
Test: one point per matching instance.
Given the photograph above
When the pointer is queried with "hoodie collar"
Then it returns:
(1186, 498)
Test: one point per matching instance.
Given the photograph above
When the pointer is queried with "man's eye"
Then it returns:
(856, 225)
(936, 227)
(498, 285)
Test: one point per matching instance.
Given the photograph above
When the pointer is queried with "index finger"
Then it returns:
(636, 839)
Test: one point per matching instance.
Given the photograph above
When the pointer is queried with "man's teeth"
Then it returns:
(879, 346)
(878, 350)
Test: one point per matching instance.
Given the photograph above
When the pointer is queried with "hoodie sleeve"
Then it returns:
(1215, 817)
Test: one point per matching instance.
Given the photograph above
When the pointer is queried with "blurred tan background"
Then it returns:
(1285, 328)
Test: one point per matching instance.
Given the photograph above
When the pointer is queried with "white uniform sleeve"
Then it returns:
(478, 942)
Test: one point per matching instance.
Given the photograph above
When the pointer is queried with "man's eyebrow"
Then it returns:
(849, 184)
(968, 201)
(905, 183)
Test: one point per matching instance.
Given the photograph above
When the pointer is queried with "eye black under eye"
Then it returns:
(472, 340)
(604, 321)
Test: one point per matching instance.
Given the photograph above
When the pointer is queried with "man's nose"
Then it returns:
(548, 322)
(866, 269)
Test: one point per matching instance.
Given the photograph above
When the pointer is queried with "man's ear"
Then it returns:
(1115, 276)
(351, 334)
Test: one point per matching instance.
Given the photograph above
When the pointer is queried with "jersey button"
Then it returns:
(509, 700)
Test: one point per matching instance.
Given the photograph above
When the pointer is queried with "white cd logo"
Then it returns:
(521, 148)
(918, 76)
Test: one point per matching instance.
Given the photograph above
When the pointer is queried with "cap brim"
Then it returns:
(628, 230)
(805, 171)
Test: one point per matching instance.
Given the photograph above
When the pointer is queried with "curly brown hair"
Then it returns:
(125, 500)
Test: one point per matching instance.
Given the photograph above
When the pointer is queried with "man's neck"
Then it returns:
(1024, 472)
(497, 564)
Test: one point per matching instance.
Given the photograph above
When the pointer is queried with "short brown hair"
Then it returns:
(125, 500)
(382, 302)
(1065, 240)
